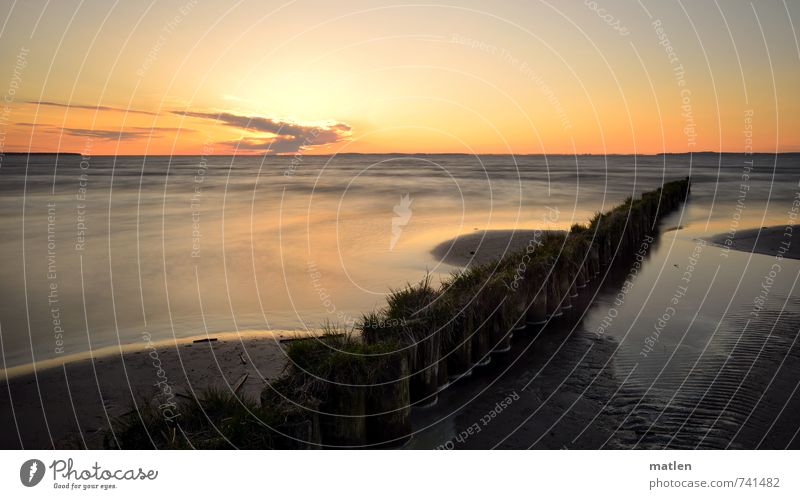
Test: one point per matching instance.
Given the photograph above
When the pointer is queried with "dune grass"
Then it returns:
(215, 420)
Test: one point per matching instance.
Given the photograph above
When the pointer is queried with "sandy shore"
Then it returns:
(483, 246)
(69, 404)
(766, 240)
(549, 401)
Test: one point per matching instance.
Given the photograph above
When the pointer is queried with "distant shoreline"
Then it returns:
(40, 154)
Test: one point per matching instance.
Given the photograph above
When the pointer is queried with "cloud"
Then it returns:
(286, 136)
(105, 134)
(88, 107)
(132, 133)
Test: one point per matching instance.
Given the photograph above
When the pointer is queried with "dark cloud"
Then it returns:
(287, 136)
(88, 107)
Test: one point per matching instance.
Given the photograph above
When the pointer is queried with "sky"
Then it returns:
(319, 77)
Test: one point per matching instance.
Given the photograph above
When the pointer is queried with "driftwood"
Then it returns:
(292, 340)
(239, 382)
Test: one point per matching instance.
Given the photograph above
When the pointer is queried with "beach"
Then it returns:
(480, 247)
(548, 392)
(253, 277)
(764, 240)
(558, 389)
(70, 405)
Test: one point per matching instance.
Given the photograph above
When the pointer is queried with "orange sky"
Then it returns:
(190, 77)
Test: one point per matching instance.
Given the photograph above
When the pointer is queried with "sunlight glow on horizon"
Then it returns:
(519, 78)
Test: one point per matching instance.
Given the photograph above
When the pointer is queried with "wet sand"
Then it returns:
(766, 241)
(69, 405)
(570, 388)
(484, 246)
(548, 392)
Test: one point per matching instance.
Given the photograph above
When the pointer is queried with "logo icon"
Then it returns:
(31, 472)
(403, 212)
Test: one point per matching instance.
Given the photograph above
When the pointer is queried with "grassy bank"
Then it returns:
(356, 388)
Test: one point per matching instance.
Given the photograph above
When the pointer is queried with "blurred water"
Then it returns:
(183, 245)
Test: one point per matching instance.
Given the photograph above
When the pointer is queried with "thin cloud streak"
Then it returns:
(89, 107)
(105, 134)
(131, 133)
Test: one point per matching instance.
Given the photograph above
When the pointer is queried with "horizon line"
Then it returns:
(289, 155)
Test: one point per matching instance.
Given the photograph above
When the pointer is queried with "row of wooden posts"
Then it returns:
(358, 390)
